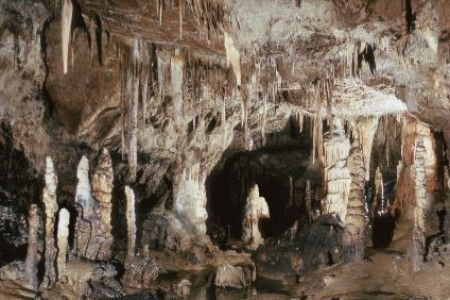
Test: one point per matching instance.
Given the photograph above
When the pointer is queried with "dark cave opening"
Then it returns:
(386, 153)
(280, 169)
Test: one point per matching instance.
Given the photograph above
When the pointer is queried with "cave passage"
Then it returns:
(280, 171)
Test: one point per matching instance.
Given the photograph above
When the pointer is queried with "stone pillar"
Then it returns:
(256, 207)
(63, 236)
(131, 222)
(30, 261)
(102, 186)
(337, 174)
(51, 207)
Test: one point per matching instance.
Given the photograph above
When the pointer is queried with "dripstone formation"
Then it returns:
(258, 149)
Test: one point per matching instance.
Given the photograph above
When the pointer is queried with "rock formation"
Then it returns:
(140, 271)
(131, 221)
(101, 239)
(355, 220)
(62, 242)
(51, 207)
(337, 174)
(255, 208)
(31, 259)
(190, 199)
(195, 102)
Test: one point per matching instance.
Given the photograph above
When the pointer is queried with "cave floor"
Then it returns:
(384, 274)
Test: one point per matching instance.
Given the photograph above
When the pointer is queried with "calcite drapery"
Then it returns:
(255, 208)
(190, 199)
(337, 174)
(51, 207)
(30, 261)
(62, 236)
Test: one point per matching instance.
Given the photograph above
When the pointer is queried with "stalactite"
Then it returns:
(233, 57)
(367, 128)
(181, 11)
(32, 249)
(160, 10)
(51, 207)
(131, 221)
(66, 24)
(177, 71)
(63, 236)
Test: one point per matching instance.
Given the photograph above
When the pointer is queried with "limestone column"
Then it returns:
(102, 186)
(337, 174)
(30, 261)
(51, 207)
(63, 236)
(131, 221)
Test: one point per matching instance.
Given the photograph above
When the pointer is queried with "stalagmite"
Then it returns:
(131, 221)
(102, 186)
(420, 212)
(337, 175)
(51, 207)
(233, 57)
(66, 24)
(83, 195)
(176, 72)
(355, 220)
(255, 208)
(367, 128)
(63, 236)
(32, 250)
